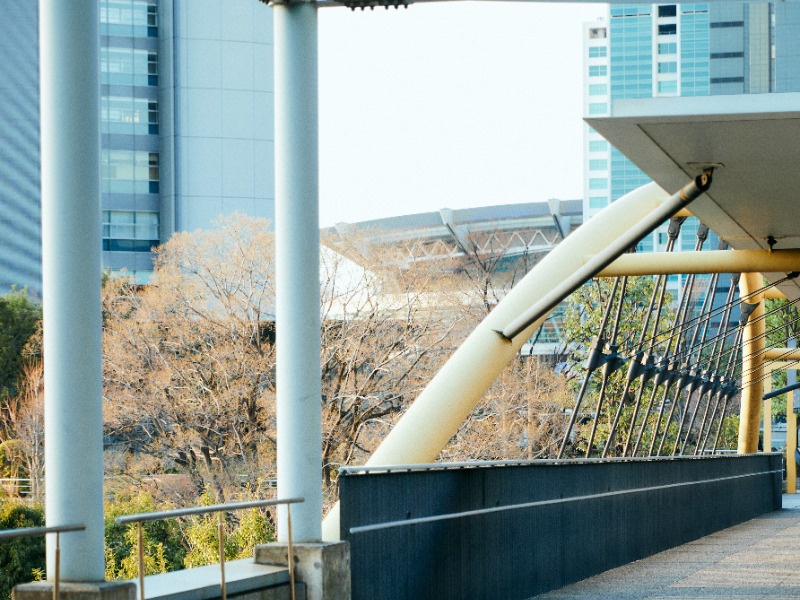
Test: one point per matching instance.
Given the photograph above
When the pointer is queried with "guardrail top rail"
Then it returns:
(22, 532)
(201, 510)
(140, 518)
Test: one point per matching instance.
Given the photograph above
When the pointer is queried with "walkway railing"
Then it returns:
(201, 510)
(15, 485)
(24, 532)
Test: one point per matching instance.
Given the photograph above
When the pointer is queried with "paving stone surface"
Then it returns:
(756, 560)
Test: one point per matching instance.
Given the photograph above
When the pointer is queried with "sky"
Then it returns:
(449, 105)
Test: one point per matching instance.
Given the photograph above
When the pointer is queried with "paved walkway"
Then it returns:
(754, 560)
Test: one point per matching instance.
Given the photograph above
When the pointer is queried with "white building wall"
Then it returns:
(596, 103)
(220, 91)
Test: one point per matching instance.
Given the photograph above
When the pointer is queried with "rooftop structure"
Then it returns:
(511, 232)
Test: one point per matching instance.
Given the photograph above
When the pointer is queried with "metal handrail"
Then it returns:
(201, 510)
(549, 502)
(23, 532)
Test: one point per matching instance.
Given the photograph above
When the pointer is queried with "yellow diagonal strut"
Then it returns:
(436, 415)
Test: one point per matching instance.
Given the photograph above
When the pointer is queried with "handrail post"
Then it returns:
(140, 544)
(221, 535)
(290, 558)
(139, 518)
(56, 590)
(26, 532)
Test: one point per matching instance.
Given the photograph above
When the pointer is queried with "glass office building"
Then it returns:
(651, 50)
(186, 124)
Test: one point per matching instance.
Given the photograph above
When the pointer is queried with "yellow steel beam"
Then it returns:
(713, 261)
(791, 424)
(791, 447)
(785, 354)
(774, 293)
(766, 418)
(752, 366)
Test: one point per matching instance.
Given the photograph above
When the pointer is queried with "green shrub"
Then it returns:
(163, 541)
(22, 560)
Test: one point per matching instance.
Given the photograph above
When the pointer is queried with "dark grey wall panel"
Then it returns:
(516, 530)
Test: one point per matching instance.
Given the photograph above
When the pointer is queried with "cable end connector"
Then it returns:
(502, 335)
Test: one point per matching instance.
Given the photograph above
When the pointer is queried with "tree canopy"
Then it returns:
(20, 316)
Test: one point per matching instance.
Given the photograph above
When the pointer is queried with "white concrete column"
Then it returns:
(297, 271)
(69, 40)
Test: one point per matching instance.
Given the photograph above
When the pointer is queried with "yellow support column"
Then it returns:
(752, 365)
(791, 446)
(767, 418)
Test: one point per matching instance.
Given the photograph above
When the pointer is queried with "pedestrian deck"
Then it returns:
(754, 560)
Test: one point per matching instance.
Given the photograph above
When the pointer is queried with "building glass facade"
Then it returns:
(682, 50)
(185, 121)
(20, 210)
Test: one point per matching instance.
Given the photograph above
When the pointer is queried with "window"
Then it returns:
(598, 201)
(123, 114)
(727, 79)
(128, 66)
(598, 51)
(598, 183)
(152, 19)
(727, 55)
(668, 48)
(598, 89)
(667, 10)
(129, 172)
(152, 116)
(130, 231)
(153, 174)
(597, 33)
(137, 18)
(598, 108)
(668, 29)
(598, 146)
(152, 68)
(630, 10)
(598, 164)
(726, 24)
(668, 67)
(598, 70)
(645, 244)
(139, 276)
(668, 87)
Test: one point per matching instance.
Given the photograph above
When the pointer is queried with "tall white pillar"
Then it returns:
(69, 40)
(297, 269)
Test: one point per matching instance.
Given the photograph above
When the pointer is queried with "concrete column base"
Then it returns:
(324, 568)
(100, 590)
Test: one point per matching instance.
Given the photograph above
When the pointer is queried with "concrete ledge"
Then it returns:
(101, 590)
(324, 567)
(203, 583)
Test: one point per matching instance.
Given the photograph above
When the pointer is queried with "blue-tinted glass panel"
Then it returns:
(598, 146)
(598, 183)
(598, 89)
(598, 164)
(598, 201)
(598, 70)
(598, 108)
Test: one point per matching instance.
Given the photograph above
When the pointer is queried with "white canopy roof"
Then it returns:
(754, 142)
